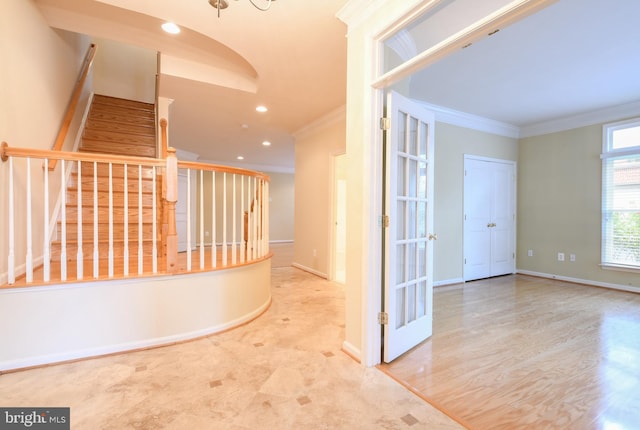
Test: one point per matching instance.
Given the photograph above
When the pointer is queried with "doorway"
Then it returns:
(489, 217)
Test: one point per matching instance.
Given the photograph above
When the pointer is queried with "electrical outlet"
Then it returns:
(560, 256)
(315, 254)
(530, 253)
(572, 257)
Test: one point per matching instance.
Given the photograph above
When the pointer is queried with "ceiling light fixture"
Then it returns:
(240, 157)
(262, 5)
(266, 143)
(170, 28)
(261, 109)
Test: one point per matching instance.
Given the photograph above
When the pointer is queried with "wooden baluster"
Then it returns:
(214, 254)
(154, 225)
(46, 246)
(29, 255)
(140, 243)
(79, 253)
(201, 219)
(96, 250)
(224, 219)
(11, 260)
(233, 224)
(63, 223)
(111, 220)
(125, 251)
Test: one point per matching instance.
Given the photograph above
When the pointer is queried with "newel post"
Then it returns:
(172, 198)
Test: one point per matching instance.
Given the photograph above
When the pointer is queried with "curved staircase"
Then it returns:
(121, 127)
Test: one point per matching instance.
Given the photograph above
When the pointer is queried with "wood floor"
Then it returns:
(520, 352)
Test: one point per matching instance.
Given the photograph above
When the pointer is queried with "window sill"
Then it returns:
(620, 267)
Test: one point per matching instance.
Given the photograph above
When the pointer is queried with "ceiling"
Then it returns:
(291, 59)
(573, 57)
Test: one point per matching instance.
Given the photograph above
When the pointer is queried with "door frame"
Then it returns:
(514, 202)
(361, 15)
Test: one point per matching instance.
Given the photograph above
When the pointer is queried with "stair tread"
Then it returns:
(111, 100)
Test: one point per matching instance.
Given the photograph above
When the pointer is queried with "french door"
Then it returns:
(408, 279)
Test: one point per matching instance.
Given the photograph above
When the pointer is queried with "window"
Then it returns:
(621, 194)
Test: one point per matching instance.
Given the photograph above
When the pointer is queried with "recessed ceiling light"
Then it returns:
(171, 28)
(266, 143)
(240, 157)
(261, 108)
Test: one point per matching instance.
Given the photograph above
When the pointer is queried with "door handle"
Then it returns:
(433, 236)
(491, 224)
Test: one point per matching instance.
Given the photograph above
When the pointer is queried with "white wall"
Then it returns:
(315, 148)
(39, 71)
(281, 206)
(64, 322)
(125, 71)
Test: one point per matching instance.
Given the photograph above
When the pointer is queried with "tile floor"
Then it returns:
(285, 370)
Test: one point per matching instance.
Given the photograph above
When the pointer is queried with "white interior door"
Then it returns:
(408, 290)
(489, 218)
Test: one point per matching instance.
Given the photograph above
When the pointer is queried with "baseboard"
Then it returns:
(351, 351)
(310, 270)
(448, 282)
(580, 281)
(281, 241)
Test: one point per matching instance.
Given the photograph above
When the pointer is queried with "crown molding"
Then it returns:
(354, 12)
(262, 168)
(582, 120)
(330, 118)
(474, 122)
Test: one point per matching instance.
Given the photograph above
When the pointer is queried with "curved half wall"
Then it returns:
(52, 324)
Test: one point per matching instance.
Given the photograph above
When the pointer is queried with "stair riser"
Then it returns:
(130, 111)
(121, 127)
(122, 118)
(116, 169)
(103, 231)
(117, 184)
(99, 100)
(103, 250)
(118, 138)
(103, 199)
(105, 147)
(103, 214)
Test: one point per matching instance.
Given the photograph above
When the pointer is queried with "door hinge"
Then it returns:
(385, 123)
(383, 318)
(384, 221)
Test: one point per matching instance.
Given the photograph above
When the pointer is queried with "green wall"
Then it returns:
(452, 143)
(559, 194)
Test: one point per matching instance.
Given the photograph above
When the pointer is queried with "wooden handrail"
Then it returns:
(7, 151)
(222, 169)
(73, 103)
